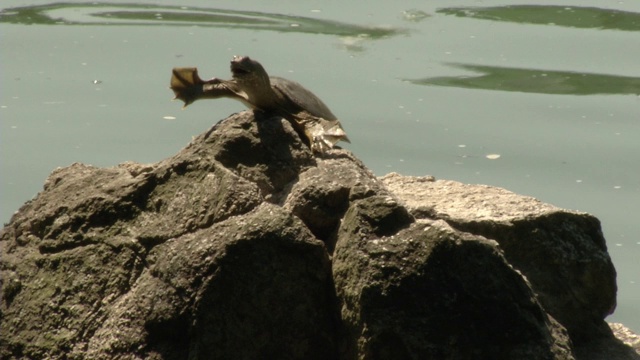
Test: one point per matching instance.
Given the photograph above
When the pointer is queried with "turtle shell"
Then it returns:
(296, 94)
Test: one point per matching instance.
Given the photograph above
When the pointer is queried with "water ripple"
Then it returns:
(68, 13)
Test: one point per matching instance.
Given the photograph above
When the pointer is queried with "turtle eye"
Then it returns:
(239, 71)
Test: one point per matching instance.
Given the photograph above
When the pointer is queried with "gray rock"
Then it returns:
(623, 345)
(243, 288)
(562, 253)
(244, 245)
(430, 292)
(322, 194)
(183, 258)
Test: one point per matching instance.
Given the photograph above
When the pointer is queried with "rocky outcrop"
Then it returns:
(244, 245)
(430, 292)
(562, 253)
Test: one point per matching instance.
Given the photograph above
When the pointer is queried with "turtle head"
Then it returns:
(245, 70)
(253, 81)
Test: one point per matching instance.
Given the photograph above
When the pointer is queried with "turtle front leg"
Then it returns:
(186, 85)
(189, 87)
(219, 88)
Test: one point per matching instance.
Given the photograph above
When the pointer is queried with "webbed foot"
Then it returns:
(186, 85)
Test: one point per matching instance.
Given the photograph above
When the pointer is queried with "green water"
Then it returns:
(420, 88)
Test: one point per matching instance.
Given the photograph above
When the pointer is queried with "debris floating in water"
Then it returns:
(493, 156)
(169, 117)
(414, 15)
(97, 81)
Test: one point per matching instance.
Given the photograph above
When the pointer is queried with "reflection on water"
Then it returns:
(536, 81)
(569, 16)
(138, 14)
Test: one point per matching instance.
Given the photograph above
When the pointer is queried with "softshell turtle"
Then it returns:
(251, 85)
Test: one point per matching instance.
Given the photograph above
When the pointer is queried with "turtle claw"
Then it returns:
(323, 134)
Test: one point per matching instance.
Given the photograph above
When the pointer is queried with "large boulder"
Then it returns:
(562, 253)
(245, 245)
(243, 288)
(183, 258)
(430, 292)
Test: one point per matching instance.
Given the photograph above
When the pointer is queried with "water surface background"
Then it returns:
(539, 97)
